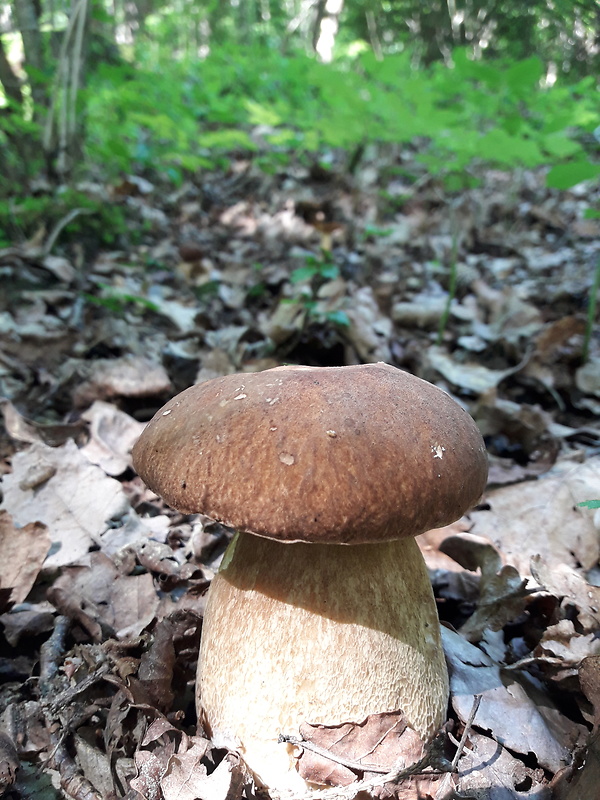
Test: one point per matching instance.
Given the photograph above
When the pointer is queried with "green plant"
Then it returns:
(316, 272)
(590, 504)
(116, 301)
(95, 219)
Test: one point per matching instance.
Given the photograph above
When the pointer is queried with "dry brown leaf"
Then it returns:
(129, 376)
(488, 771)
(112, 435)
(9, 762)
(370, 330)
(23, 552)
(470, 377)
(589, 680)
(580, 780)
(378, 743)
(566, 583)
(563, 644)
(32, 621)
(502, 591)
(73, 498)
(542, 517)
(184, 779)
(123, 604)
(505, 710)
(27, 430)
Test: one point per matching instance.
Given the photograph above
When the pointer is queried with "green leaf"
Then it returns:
(524, 74)
(590, 504)
(338, 318)
(564, 176)
(303, 274)
(259, 114)
(329, 271)
(560, 144)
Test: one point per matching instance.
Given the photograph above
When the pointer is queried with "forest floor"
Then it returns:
(102, 586)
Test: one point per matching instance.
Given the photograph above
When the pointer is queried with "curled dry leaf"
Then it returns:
(156, 667)
(506, 711)
(23, 553)
(566, 583)
(582, 778)
(187, 779)
(370, 331)
(98, 597)
(542, 517)
(9, 762)
(129, 376)
(489, 772)
(502, 591)
(471, 377)
(343, 752)
(27, 430)
(562, 648)
(112, 435)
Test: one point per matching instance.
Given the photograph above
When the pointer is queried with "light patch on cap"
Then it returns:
(240, 397)
(167, 412)
(286, 458)
(437, 450)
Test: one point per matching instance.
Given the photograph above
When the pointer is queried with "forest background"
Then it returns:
(104, 88)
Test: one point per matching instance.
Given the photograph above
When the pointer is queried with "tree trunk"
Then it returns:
(8, 79)
(326, 30)
(63, 134)
(26, 14)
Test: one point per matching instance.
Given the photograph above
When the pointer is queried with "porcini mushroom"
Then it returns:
(322, 611)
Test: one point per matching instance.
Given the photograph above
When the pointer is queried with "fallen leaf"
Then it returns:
(129, 376)
(23, 552)
(487, 771)
(27, 430)
(61, 489)
(502, 591)
(470, 377)
(505, 711)
(112, 435)
(122, 604)
(566, 583)
(542, 517)
(378, 743)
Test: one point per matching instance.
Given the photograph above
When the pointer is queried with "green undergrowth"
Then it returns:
(89, 220)
(184, 117)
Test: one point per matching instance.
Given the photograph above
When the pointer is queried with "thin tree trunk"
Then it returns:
(328, 26)
(63, 134)
(28, 23)
(8, 79)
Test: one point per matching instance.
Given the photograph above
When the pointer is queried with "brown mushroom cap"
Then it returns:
(318, 454)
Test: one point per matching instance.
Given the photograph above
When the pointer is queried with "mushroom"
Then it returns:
(322, 611)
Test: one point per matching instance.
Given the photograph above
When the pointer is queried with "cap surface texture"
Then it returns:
(323, 454)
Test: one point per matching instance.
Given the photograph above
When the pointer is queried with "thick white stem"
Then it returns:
(319, 633)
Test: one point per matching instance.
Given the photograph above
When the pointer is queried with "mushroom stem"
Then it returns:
(325, 634)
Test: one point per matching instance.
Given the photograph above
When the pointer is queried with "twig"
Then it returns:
(64, 698)
(322, 751)
(51, 652)
(467, 730)
(62, 223)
